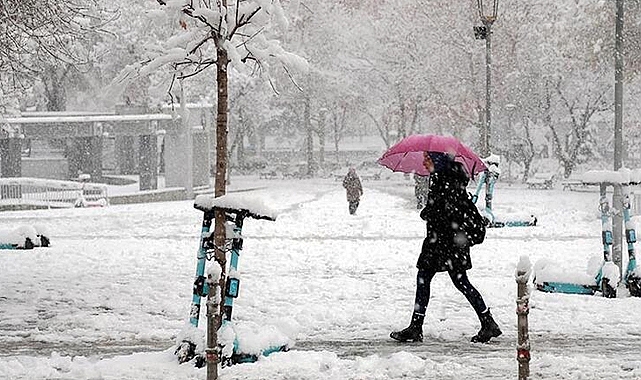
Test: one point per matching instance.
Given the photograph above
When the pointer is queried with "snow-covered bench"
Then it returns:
(574, 182)
(268, 174)
(541, 181)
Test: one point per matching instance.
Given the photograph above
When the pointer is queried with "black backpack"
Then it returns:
(474, 224)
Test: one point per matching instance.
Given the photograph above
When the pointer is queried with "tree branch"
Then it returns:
(200, 68)
(240, 23)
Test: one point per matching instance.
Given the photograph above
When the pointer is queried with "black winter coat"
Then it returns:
(446, 248)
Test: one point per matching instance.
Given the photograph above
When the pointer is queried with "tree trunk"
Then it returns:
(337, 138)
(220, 188)
(321, 138)
(309, 146)
(527, 165)
(53, 82)
(240, 148)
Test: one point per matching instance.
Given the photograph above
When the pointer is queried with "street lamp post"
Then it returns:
(484, 32)
(510, 133)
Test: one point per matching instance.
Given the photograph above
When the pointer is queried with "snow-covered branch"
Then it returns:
(204, 28)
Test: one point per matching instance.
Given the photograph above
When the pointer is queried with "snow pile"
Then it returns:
(226, 338)
(546, 270)
(611, 272)
(192, 334)
(255, 339)
(516, 217)
(523, 269)
(25, 237)
(18, 236)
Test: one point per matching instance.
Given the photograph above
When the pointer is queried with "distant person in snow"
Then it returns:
(453, 225)
(352, 184)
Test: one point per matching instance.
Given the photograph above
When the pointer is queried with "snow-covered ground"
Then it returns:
(109, 297)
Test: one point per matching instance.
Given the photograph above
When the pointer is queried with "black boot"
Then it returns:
(489, 328)
(411, 333)
(414, 332)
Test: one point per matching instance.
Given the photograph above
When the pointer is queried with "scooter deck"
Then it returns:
(567, 288)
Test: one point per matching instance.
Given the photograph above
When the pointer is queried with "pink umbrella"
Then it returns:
(407, 155)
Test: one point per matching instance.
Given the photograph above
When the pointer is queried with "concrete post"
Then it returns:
(126, 147)
(187, 137)
(95, 158)
(11, 157)
(126, 154)
(148, 156)
(84, 155)
(201, 169)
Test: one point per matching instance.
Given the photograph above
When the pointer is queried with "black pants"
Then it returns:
(460, 281)
(353, 205)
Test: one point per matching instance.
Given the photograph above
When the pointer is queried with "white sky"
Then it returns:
(118, 280)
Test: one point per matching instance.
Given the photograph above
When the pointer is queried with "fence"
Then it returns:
(36, 192)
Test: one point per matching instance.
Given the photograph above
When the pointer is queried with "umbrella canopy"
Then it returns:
(407, 155)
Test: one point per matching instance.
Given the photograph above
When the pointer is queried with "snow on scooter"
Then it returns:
(602, 275)
(190, 342)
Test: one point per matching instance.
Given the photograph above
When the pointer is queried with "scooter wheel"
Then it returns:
(607, 290)
(185, 352)
(634, 286)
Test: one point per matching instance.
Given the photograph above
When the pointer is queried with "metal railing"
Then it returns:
(51, 193)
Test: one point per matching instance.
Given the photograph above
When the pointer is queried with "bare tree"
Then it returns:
(573, 139)
(521, 148)
(36, 31)
(338, 123)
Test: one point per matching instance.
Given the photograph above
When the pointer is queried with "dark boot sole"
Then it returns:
(400, 339)
(476, 339)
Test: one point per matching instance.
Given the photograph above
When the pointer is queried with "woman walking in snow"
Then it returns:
(453, 223)
(352, 184)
